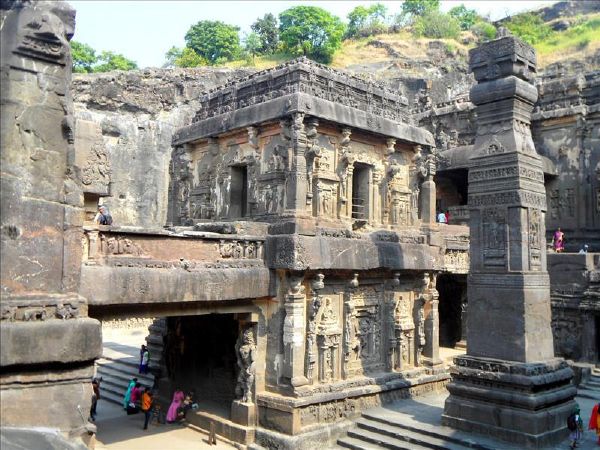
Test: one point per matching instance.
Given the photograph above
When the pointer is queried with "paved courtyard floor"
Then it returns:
(118, 431)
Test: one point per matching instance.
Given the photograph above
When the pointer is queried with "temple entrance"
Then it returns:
(452, 309)
(238, 199)
(360, 191)
(200, 356)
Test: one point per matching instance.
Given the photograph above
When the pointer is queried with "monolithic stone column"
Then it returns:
(294, 332)
(427, 167)
(509, 384)
(431, 349)
(48, 342)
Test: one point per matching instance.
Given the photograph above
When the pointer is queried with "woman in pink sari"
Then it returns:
(172, 413)
(559, 241)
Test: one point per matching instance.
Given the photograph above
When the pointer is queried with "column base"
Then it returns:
(243, 413)
(522, 403)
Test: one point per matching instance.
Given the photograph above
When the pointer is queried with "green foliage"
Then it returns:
(437, 25)
(108, 61)
(466, 17)
(363, 22)
(484, 31)
(419, 7)
(268, 33)
(214, 40)
(252, 45)
(84, 57)
(310, 31)
(529, 27)
(184, 57)
(575, 38)
(85, 60)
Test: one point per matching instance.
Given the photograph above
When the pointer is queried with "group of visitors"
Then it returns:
(575, 424)
(558, 243)
(138, 398)
(180, 406)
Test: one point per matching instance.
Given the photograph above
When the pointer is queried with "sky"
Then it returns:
(144, 30)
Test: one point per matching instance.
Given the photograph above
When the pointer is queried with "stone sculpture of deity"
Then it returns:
(245, 351)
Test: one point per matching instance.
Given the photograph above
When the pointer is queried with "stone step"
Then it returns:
(111, 396)
(116, 370)
(416, 437)
(594, 394)
(357, 444)
(384, 441)
(439, 433)
(223, 427)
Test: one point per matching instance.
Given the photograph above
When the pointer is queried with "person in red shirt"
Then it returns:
(146, 406)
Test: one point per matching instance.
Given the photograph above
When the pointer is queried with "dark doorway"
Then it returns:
(597, 339)
(238, 201)
(360, 191)
(452, 313)
(200, 355)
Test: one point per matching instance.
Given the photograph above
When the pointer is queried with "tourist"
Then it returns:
(575, 426)
(595, 420)
(134, 400)
(103, 217)
(189, 402)
(175, 411)
(144, 359)
(146, 406)
(447, 214)
(441, 217)
(583, 250)
(127, 397)
(558, 241)
(95, 397)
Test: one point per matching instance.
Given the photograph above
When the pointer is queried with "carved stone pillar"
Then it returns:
(378, 178)
(93, 247)
(351, 342)
(524, 393)
(328, 341)
(293, 332)
(345, 174)
(390, 295)
(431, 351)
(297, 179)
(427, 195)
(311, 327)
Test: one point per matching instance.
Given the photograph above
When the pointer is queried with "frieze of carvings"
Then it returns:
(527, 369)
(119, 245)
(62, 310)
(336, 233)
(240, 249)
(531, 199)
(386, 236)
(308, 77)
(328, 412)
(97, 167)
(456, 261)
(562, 203)
(494, 237)
(190, 266)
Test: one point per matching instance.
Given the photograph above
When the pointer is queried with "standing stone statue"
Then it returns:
(245, 351)
(509, 384)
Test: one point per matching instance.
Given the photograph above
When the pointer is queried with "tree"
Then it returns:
(466, 17)
(214, 40)
(311, 31)
(108, 61)
(435, 24)
(252, 44)
(84, 57)
(364, 21)
(419, 7)
(268, 33)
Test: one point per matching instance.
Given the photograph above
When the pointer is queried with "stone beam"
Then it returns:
(282, 107)
(105, 285)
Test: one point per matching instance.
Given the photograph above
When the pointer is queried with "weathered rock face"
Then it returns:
(48, 342)
(125, 122)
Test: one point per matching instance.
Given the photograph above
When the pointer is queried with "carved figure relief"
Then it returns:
(97, 167)
(494, 237)
(120, 246)
(328, 340)
(245, 351)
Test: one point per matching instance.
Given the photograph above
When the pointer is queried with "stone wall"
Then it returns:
(48, 341)
(124, 128)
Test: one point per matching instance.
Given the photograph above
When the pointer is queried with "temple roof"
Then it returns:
(304, 86)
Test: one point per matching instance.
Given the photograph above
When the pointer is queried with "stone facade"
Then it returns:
(48, 341)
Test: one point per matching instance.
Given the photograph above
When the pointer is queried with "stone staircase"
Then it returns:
(116, 374)
(591, 388)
